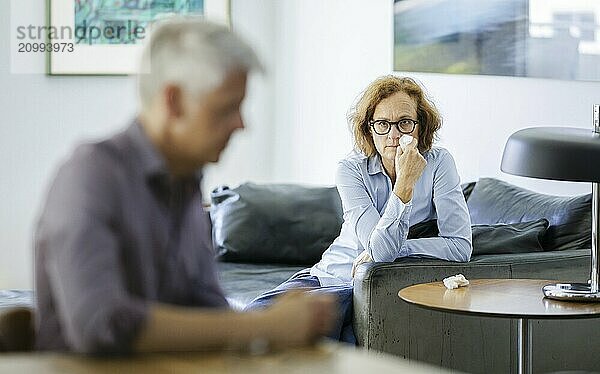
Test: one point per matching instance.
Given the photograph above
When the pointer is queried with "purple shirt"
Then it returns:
(118, 233)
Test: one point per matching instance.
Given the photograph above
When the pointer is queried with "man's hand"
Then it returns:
(298, 318)
(409, 166)
(361, 259)
(294, 319)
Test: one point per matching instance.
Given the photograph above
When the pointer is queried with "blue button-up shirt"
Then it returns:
(376, 220)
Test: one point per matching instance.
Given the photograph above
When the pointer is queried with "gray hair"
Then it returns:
(192, 53)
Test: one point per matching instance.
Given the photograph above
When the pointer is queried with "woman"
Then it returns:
(385, 189)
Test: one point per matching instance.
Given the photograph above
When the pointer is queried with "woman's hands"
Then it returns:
(409, 165)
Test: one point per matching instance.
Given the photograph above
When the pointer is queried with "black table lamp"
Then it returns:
(567, 154)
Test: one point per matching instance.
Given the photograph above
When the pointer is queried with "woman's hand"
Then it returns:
(409, 166)
(361, 259)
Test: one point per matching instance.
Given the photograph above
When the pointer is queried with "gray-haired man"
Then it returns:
(124, 258)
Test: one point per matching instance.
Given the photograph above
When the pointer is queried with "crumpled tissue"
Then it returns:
(405, 140)
(455, 281)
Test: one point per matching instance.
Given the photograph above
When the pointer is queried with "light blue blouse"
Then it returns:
(377, 220)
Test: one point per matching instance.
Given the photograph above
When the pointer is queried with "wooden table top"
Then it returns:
(329, 358)
(509, 298)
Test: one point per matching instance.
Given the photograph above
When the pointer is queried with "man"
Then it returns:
(124, 257)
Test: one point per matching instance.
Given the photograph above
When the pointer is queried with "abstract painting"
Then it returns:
(558, 39)
(115, 14)
(105, 37)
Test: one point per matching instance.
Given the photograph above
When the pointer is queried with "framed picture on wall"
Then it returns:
(105, 37)
(558, 39)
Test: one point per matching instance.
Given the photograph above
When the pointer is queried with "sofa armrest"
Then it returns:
(382, 320)
(377, 284)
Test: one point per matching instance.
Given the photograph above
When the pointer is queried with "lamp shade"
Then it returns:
(559, 153)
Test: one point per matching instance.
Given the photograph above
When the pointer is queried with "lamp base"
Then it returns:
(571, 292)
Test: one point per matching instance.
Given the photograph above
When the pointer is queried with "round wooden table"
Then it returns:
(521, 299)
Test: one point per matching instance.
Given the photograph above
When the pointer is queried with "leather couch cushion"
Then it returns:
(493, 201)
(425, 229)
(467, 189)
(275, 223)
(242, 283)
(520, 237)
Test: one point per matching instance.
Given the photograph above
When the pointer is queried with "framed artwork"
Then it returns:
(558, 39)
(105, 37)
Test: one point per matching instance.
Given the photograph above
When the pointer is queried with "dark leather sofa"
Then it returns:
(385, 323)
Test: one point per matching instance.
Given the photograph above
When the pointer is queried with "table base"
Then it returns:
(524, 345)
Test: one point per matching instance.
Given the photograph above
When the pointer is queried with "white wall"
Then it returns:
(249, 154)
(328, 51)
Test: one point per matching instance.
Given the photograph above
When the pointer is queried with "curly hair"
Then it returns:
(430, 120)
